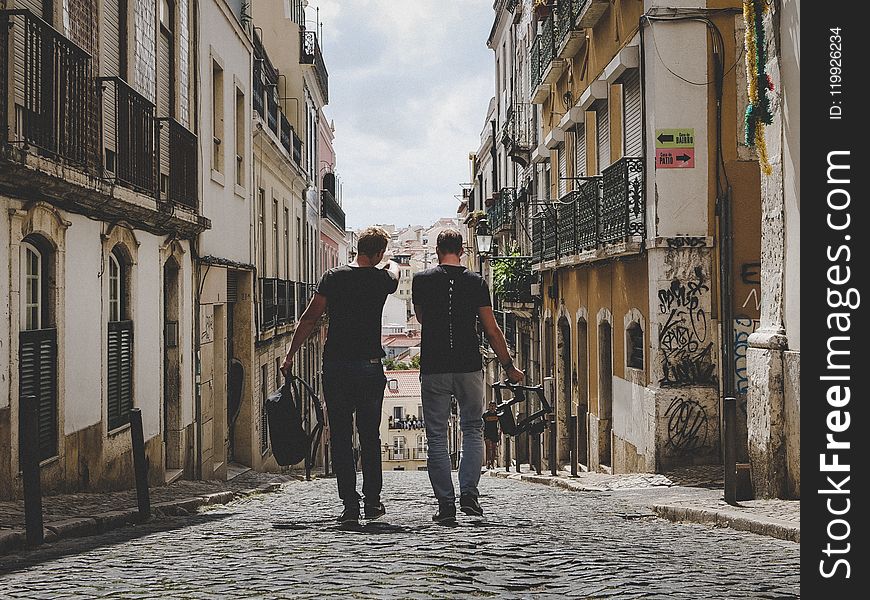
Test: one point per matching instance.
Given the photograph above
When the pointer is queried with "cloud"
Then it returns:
(409, 86)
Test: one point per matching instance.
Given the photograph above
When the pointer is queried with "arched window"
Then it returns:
(32, 288)
(119, 360)
(634, 345)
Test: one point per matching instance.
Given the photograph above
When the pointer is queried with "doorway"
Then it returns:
(172, 442)
(605, 391)
(564, 409)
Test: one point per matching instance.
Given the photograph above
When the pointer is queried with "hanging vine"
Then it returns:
(758, 113)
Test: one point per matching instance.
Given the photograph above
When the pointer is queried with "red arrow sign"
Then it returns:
(675, 158)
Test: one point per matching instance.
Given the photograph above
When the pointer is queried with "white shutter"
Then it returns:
(563, 170)
(632, 125)
(110, 54)
(580, 151)
(163, 106)
(602, 126)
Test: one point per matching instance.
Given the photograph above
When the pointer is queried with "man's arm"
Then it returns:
(306, 325)
(418, 312)
(497, 342)
(393, 268)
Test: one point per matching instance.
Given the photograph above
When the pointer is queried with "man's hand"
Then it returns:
(287, 366)
(515, 375)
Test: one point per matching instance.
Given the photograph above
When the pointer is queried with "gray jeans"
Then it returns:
(436, 391)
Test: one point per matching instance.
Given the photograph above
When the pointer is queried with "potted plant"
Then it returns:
(542, 9)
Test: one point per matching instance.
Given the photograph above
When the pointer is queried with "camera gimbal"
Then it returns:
(534, 423)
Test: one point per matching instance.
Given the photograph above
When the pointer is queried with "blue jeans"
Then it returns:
(437, 389)
(355, 387)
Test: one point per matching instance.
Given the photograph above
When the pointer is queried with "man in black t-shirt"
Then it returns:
(353, 375)
(448, 302)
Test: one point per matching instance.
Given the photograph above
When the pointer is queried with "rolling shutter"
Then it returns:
(563, 170)
(120, 373)
(163, 106)
(580, 151)
(37, 377)
(632, 126)
(602, 126)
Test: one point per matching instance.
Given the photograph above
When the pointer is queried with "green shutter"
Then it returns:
(37, 377)
(119, 391)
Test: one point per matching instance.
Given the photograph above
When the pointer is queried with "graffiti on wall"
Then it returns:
(687, 425)
(686, 353)
(207, 334)
(685, 241)
(743, 328)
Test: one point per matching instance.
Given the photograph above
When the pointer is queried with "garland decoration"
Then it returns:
(758, 113)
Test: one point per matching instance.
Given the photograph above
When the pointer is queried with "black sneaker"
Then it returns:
(446, 513)
(470, 506)
(374, 511)
(350, 514)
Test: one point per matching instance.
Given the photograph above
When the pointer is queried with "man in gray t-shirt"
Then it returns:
(449, 300)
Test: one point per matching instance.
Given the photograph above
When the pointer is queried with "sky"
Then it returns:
(409, 86)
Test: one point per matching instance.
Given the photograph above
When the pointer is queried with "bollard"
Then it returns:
(29, 449)
(140, 465)
(730, 407)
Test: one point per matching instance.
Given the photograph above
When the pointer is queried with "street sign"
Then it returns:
(676, 158)
(675, 138)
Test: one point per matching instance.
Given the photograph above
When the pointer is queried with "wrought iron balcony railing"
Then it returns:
(538, 238)
(566, 225)
(268, 302)
(182, 154)
(310, 55)
(513, 282)
(622, 212)
(330, 209)
(128, 135)
(536, 69)
(548, 42)
(587, 200)
(286, 301)
(500, 215)
(47, 90)
(518, 134)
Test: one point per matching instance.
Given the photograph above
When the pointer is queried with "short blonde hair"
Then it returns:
(372, 241)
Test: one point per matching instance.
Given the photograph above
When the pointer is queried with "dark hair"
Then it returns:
(449, 241)
(372, 241)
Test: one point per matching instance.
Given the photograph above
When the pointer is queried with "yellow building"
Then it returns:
(623, 122)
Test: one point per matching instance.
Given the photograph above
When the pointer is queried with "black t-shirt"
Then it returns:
(449, 297)
(490, 425)
(355, 299)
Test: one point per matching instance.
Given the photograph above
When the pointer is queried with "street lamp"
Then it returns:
(483, 239)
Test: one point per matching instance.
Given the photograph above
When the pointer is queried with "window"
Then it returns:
(261, 228)
(398, 413)
(602, 127)
(631, 111)
(286, 243)
(240, 137)
(580, 151)
(275, 234)
(217, 102)
(33, 288)
(119, 371)
(398, 447)
(634, 345)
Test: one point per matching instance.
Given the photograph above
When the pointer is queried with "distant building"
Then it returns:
(402, 434)
(396, 344)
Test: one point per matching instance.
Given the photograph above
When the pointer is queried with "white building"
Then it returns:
(402, 434)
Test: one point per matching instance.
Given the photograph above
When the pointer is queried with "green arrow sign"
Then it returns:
(675, 138)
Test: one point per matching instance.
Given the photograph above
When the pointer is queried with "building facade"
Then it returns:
(625, 208)
(99, 185)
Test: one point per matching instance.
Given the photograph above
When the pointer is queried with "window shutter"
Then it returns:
(563, 170)
(633, 127)
(119, 392)
(233, 284)
(602, 126)
(37, 377)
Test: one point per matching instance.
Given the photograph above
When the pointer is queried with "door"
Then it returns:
(172, 442)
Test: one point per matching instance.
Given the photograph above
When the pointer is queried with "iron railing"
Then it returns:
(622, 211)
(538, 238)
(310, 55)
(46, 83)
(551, 239)
(500, 215)
(587, 199)
(268, 302)
(548, 42)
(182, 185)
(566, 225)
(330, 209)
(536, 69)
(514, 283)
(128, 135)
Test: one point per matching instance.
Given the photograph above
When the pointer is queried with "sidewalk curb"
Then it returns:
(547, 480)
(12, 540)
(775, 528)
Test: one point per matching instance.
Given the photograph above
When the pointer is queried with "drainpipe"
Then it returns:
(197, 377)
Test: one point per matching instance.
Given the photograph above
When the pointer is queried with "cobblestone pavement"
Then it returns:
(67, 506)
(534, 542)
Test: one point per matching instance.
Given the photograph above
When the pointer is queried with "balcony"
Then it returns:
(179, 185)
(501, 214)
(128, 136)
(518, 134)
(268, 303)
(49, 96)
(622, 212)
(286, 301)
(290, 141)
(310, 55)
(331, 210)
(406, 454)
(605, 216)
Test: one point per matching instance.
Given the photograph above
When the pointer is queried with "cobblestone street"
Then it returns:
(534, 542)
